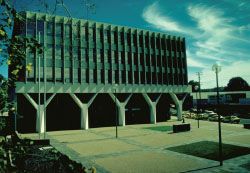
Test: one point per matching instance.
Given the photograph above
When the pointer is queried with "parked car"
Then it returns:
(208, 112)
(235, 119)
(215, 118)
(201, 116)
(227, 119)
(193, 110)
(206, 116)
(231, 119)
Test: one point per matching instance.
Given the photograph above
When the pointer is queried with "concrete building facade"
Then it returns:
(83, 59)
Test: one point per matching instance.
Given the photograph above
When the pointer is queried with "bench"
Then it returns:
(245, 122)
(181, 127)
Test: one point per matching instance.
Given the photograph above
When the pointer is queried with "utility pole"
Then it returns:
(39, 86)
(199, 79)
(199, 90)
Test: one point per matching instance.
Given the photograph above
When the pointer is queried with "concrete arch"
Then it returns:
(62, 114)
(26, 121)
(162, 108)
(102, 112)
(137, 110)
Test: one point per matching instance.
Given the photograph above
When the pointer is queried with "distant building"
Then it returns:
(90, 63)
(229, 97)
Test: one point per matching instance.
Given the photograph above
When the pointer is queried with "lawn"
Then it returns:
(209, 150)
(160, 128)
(246, 166)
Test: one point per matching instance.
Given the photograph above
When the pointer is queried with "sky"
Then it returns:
(216, 31)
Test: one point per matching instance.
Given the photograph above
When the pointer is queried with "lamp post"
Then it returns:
(116, 118)
(39, 87)
(196, 87)
(217, 69)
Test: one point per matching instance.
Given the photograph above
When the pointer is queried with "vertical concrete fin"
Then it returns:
(49, 100)
(34, 104)
(77, 100)
(92, 99)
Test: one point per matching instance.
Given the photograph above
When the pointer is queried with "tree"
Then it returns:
(237, 84)
(3, 94)
(193, 84)
(13, 47)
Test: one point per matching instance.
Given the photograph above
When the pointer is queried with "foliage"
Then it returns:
(237, 84)
(193, 84)
(13, 47)
(23, 155)
(3, 94)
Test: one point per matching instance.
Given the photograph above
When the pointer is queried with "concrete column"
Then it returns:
(84, 124)
(152, 107)
(84, 117)
(40, 121)
(152, 111)
(121, 108)
(178, 103)
(40, 118)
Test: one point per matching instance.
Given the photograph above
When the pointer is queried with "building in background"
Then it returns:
(89, 71)
(226, 97)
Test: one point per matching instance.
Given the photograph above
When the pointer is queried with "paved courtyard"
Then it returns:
(138, 149)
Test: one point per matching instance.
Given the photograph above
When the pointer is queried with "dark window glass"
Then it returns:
(59, 29)
(31, 26)
(50, 28)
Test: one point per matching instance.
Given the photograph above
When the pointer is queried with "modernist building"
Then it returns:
(83, 59)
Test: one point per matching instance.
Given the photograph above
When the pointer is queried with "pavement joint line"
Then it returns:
(75, 156)
(207, 132)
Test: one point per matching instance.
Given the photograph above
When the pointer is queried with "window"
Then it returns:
(58, 52)
(49, 73)
(40, 29)
(67, 30)
(49, 51)
(141, 40)
(50, 28)
(59, 29)
(31, 27)
(58, 74)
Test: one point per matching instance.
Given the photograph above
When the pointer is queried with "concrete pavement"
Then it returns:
(138, 149)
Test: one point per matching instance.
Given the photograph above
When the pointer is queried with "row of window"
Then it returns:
(73, 33)
(109, 76)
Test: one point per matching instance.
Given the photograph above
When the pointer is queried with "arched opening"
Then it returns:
(62, 114)
(102, 112)
(162, 108)
(137, 110)
(26, 115)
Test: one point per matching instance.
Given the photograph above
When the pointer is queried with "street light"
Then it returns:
(217, 69)
(196, 88)
(116, 116)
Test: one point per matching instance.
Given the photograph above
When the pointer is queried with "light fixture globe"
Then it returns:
(216, 68)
